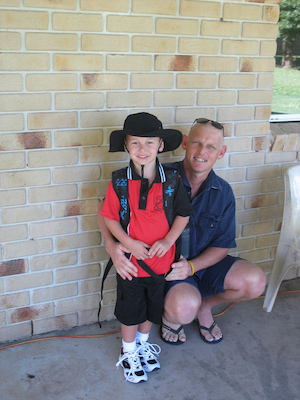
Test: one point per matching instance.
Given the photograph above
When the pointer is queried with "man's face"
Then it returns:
(204, 146)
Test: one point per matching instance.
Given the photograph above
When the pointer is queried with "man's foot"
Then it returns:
(212, 334)
(171, 333)
(148, 354)
(131, 363)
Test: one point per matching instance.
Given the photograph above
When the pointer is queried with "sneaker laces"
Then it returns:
(149, 350)
(135, 363)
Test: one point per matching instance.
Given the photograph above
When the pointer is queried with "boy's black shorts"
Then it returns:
(140, 300)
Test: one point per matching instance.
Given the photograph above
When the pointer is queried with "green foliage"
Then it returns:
(286, 91)
(289, 20)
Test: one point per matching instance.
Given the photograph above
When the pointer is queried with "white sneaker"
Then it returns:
(131, 363)
(148, 353)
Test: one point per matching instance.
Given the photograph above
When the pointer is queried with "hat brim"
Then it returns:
(172, 138)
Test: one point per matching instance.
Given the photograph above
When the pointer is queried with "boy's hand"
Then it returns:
(159, 248)
(139, 249)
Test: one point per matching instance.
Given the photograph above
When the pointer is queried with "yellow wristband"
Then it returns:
(192, 266)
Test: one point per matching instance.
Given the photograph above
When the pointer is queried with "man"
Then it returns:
(210, 277)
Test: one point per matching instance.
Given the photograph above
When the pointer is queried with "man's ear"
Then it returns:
(184, 141)
(222, 152)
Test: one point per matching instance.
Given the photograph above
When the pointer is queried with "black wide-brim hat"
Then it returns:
(144, 125)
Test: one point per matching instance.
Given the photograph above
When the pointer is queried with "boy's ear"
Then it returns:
(161, 146)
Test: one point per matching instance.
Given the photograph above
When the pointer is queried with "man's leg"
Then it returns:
(244, 281)
(181, 306)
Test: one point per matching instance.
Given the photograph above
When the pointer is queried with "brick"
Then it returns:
(196, 81)
(73, 208)
(63, 275)
(52, 120)
(51, 82)
(52, 158)
(107, 169)
(88, 137)
(24, 62)
(51, 41)
(151, 81)
(265, 81)
(291, 143)
(255, 96)
(2, 318)
(12, 19)
(190, 8)
(25, 102)
(176, 26)
(166, 7)
(55, 323)
(94, 285)
(245, 188)
(171, 98)
(198, 45)
(257, 64)
(28, 281)
(153, 44)
(93, 189)
(94, 154)
(10, 3)
(271, 13)
(27, 248)
(103, 81)
(110, 43)
(260, 143)
(24, 178)
(88, 223)
(240, 47)
(12, 161)
(24, 214)
(175, 63)
(30, 313)
(246, 216)
(64, 5)
(245, 244)
(53, 261)
(235, 113)
(78, 62)
(272, 185)
(242, 12)
(280, 157)
(12, 197)
(262, 112)
(237, 144)
(17, 331)
(268, 48)
(77, 22)
(27, 140)
(267, 240)
(76, 174)
(264, 200)
(232, 175)
(216, 97)
(222, 64)
(257, 228)
(270, 213)
(256, 255)
(54, 293)
(129, 24)
(52, 228)
(77, 304)
(13, 267)
(12, 233)
(128, 99)
(10, 40)
(104, 5)
(93, 254)
(220, 28)
(189, 115)
(11, 122)
(244, 159)
(52, 193)
(20, 299)
(252, 128)
(268, 171)
(72, 101)
(128, 62)
(237, 81)
(91, 119)
(11, 82)
(259, 30)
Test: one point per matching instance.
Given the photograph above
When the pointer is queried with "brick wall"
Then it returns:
(70, 72)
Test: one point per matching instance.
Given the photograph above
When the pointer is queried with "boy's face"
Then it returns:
(143, 150)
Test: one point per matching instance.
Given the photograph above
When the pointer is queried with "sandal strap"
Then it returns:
(210, 329)
(171, 329)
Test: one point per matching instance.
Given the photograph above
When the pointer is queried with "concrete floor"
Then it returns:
(259, 359)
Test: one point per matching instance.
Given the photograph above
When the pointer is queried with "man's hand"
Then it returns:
(124, 267)
(180, 270)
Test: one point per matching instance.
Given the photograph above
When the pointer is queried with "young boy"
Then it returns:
(148, 234)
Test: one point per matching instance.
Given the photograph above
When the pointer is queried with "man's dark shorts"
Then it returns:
(140, 300)
(209, 281)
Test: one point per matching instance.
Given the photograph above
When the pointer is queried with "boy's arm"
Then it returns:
(160, 247)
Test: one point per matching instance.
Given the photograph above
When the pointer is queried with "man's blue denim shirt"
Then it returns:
(213, 222)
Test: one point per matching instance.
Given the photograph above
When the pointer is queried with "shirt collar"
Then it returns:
(160, 176)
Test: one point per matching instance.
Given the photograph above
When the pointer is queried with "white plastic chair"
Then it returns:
(288, 250)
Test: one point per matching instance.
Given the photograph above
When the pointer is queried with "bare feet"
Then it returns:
(169, 335)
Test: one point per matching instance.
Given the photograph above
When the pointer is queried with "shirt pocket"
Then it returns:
(209, 222)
